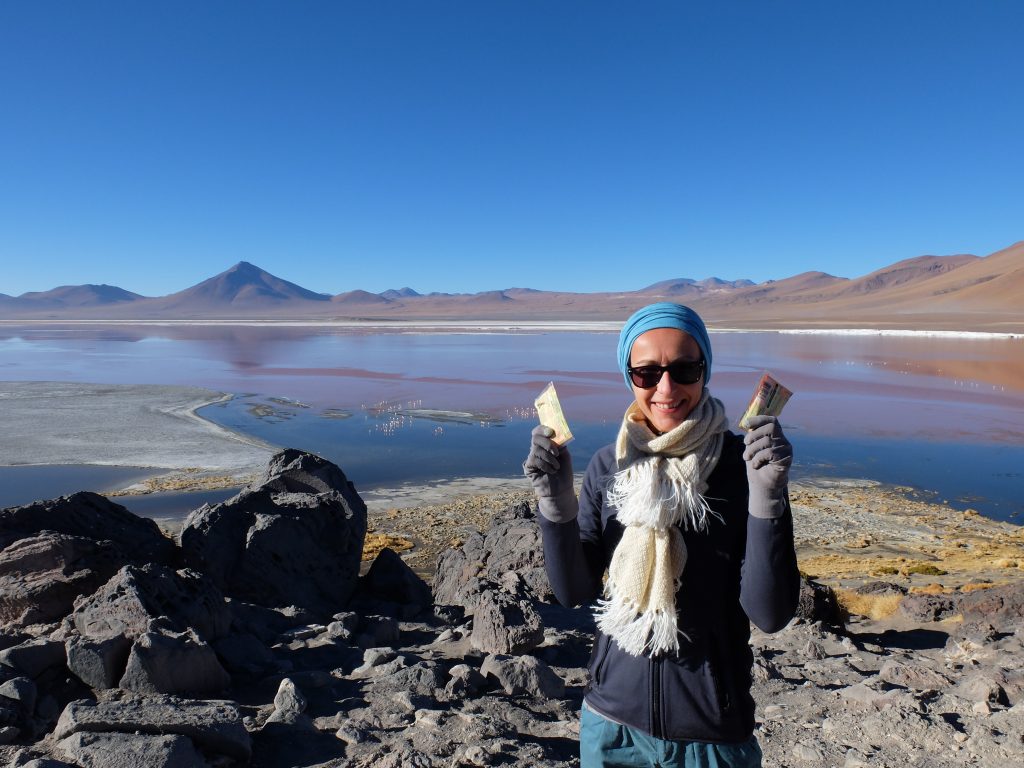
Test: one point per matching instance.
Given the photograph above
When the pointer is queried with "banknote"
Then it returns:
(769, 399)
(550, 412)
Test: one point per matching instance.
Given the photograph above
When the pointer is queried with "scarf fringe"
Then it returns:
(648, 633)
(645, 495)
(657, 493)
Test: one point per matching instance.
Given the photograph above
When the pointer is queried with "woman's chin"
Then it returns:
(665, 422)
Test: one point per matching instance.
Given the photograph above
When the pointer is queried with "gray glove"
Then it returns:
(549, 467)
(768, 455)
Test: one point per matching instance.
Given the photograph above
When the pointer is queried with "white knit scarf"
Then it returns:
(657, 491)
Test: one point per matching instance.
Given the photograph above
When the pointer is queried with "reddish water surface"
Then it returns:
(941, 388)
(893, 390)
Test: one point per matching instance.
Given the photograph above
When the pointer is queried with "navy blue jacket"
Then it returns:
(741, 569)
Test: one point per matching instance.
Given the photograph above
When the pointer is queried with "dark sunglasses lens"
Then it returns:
(686, 373)
(646, 378)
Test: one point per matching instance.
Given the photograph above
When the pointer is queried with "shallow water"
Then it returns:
(944, 415)
(25, 484)
(375, 449)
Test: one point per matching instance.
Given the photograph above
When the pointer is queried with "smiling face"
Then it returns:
(667, 405)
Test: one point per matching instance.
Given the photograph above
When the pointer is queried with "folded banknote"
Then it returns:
(549, 410)
(769, 399)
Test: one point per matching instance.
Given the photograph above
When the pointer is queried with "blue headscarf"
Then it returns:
(664, 314)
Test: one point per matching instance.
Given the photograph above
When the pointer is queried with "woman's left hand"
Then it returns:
(768, 455)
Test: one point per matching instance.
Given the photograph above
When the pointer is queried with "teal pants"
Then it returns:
(606, 744)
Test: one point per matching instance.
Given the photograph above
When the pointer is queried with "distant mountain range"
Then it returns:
(962, 292)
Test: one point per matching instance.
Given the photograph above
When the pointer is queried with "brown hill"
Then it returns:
(243, 286)
(360, 297)
(686, 287)
(962, 292)
(966, 290)
(803, 287)
(80, 296)
(993, 282)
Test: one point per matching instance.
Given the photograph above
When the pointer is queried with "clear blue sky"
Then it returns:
(476, 145)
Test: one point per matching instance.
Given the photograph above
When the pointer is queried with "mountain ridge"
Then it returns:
(960, 291)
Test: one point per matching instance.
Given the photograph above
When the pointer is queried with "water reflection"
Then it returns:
(402, 403)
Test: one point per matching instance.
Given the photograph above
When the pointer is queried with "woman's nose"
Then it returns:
(665, 382)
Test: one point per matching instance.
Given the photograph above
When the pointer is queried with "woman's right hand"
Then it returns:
(549, 467)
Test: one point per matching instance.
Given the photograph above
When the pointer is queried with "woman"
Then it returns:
(693, 526)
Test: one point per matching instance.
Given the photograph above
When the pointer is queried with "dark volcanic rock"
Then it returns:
(295, 537)
(136, 596)
(90, 516)
(214, 726)
(523, 675)
(1002, 607)
(32, 657)
(17, 703)
(512, 544)
(146, 630)
(506, 622)
(818, 602)
(391, 580)
(925, 607)
(41, 575)
(880, 588)
(98, 663)
(244, 654)
(174, 663)
(130, 749)
(417, 685)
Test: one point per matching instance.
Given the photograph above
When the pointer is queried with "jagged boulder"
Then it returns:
(215, 726)
(519, 675)
(505, 620)
(1001, 607)
(512, 543)
(136, 596)
(293, 538)
(98, 663)
(91, 516)
(175, 663)
(392, 581)
(42, 574)
(148, 630)
(130, 749)
(33, 657)
(17, 703)
(913, 675)
(927, 607)
(818, 602)
(412, 687)
(290, 706)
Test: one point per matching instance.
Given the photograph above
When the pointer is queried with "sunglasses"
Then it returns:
(681, 371)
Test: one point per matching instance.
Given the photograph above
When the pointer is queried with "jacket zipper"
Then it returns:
(724, 700)
(656, 729)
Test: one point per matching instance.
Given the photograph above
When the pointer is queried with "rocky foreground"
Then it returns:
(259, 637)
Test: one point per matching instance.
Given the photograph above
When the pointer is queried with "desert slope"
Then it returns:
(959, 292)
